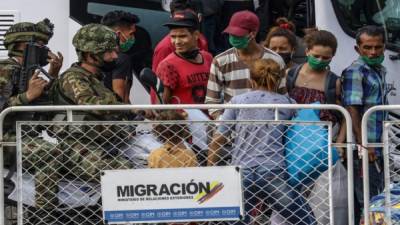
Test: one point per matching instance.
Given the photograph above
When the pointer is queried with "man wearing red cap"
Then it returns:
(230, 74)
(184, 72)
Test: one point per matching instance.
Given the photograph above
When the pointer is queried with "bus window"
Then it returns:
(353, 14)
(150, 12)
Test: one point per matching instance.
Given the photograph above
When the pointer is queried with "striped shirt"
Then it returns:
(230, 77)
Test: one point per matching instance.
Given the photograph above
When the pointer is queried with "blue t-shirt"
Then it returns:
(257, 143)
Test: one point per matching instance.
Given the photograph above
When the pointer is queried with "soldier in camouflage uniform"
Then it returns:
(83, 153)
(97, 47)
(16, 39)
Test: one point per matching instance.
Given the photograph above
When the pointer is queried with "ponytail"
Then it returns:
(267, 74)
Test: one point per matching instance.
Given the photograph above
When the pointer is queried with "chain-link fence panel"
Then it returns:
(384, 208)
(291, 173)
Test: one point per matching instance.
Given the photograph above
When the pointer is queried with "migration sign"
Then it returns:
(172, 195)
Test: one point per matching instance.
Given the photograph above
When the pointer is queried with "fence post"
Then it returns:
(365, 145)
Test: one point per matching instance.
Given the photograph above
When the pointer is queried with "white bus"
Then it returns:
(341, 17)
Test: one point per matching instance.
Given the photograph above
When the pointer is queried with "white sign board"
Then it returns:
(172, 195)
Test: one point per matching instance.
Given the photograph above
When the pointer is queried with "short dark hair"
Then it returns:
(180, 5)
(370, 30)
(281, 32)
(119, 18)
(321, 37)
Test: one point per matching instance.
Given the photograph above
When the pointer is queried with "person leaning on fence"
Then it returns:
(259, 149)
(364, 86)
(174, 152)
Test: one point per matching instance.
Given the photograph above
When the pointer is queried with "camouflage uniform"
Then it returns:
(82, 153)
(10, 68)
(33, 147)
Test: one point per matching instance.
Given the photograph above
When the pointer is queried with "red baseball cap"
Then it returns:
(242, 23)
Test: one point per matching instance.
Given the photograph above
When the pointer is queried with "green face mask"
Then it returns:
(373, 61)
(239, 42)
(125, 46)
(317, 64)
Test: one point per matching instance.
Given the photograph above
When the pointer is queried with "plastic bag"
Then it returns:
(319, 196)
(306, 149)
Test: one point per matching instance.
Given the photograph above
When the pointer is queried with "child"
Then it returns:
(173, 153)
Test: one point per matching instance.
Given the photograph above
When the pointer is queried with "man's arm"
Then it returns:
(119, 87)
(167, 94)
(356, 121)
(119, 75)
(214, 149)
(215, 153)
(214, 88)
(56, 62)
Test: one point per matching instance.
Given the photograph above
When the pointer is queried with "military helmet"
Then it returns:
(95, 38)
(26, 31)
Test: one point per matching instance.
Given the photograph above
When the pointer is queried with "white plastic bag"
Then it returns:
(319, 196)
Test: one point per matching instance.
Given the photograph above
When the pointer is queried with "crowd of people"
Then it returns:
(249, 72)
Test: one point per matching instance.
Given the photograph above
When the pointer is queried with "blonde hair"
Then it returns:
(266, 73)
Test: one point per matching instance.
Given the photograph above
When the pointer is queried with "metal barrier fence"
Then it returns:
(59, 163)
(384, 205)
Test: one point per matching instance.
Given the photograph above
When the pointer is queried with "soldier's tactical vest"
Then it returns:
(99, 133)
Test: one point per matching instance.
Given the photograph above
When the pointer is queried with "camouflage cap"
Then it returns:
(26, 31)
(95, 38)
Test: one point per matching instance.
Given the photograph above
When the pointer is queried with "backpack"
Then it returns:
(329, 91)
(330, 83)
